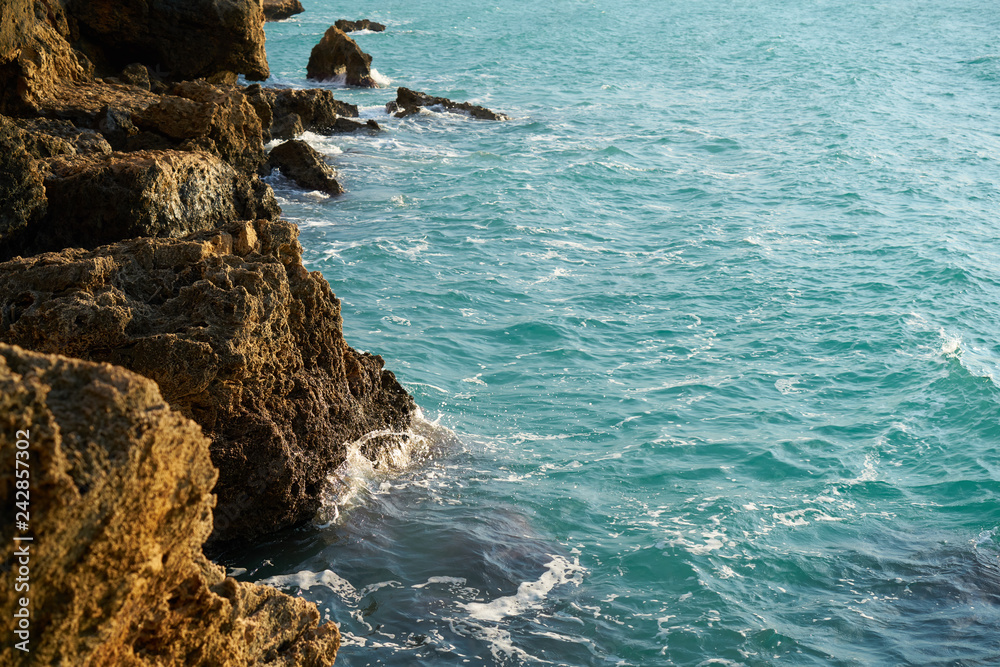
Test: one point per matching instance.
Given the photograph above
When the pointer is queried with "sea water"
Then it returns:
(706, 338)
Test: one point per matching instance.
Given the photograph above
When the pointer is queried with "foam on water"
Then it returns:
(720, 331)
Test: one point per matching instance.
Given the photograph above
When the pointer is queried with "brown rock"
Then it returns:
(98, 199)
(362, 24)
(22, 189)
(279, 10)
(338, 55)
(84, 104)
(217, 119)
(409, 102)
(249, 346)
(183, 40)
(136, 75)
(286, 113)
(48, 138)
(300, 162)
(120, 504)
(38, 59)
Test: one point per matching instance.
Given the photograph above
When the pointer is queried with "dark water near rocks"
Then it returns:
(713, 322)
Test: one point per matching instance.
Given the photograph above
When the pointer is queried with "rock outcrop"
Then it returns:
(338, 55)
(363, 24)
(303, 164)
(239, 337)
(99, 199)
(409, 102)
(286, 113)
(120, 503)
(279, 10)
(22, 189)
(218, 119)
(181, 40)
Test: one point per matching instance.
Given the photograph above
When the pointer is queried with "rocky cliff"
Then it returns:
(240, 337)
(119, 488)
(203, 389)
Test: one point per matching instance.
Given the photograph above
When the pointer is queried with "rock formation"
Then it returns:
(338, 55)
(239, 337)
(409, 102)
(99, 199)
(183, 40)
(120, 503)
(22, 189)
(286, 113)
(279, 10)
(105, 138)
(198, 115)
(363, 24)
(301, 162)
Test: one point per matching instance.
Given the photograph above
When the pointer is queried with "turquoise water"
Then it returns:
(707, 335)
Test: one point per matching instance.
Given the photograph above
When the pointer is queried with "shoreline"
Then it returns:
(141, 250)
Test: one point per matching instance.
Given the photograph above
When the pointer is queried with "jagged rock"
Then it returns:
(98, 199)
(301, 162)
(85, 103)
(137, 75)
(278, 10)
(239, 337)
(219, 120)
(182, 40)
(363, 24)
(22, 189)
(409, 102)
(286, 113)
(338, 55)
(120, 504)
(35, 57)
(48, 138)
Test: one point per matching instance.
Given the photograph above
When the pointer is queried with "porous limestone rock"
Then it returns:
(99, 199)
(338, 55)
(239, 337)
(303, 164)
(45, 138)
(199, 115)
(22, 188)
(362, 24)
(286, 113)
(35, 56)
(180, 40)
(120, 503)
(409, 102)
(279, 10)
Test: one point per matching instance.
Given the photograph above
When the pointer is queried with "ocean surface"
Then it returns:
(706, 338)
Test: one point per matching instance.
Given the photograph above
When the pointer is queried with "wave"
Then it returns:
(400, 451)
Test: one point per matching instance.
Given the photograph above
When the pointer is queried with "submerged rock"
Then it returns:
(278, 10)
(120, 504)
(338, 55)
(183, 40)
(239, 337)
(301, 162)
(362, 24)
(409, 102)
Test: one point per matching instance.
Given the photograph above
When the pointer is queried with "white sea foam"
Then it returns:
(530, 594)
(382, 80)
(404, 450)
(458, 581)
(306, 579)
